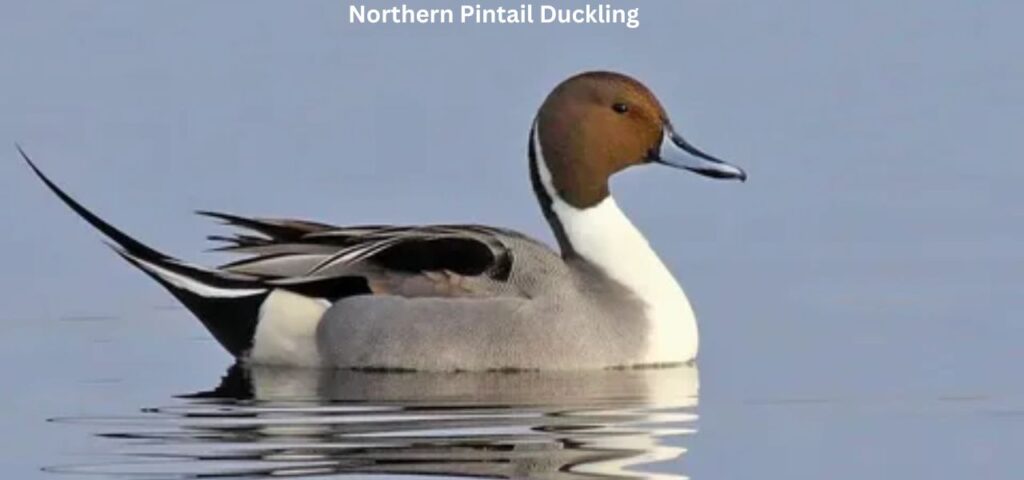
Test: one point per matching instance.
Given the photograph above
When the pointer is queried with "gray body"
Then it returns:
(549, 314)
(544, 312)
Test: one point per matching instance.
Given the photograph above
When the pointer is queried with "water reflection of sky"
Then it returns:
(285, 422)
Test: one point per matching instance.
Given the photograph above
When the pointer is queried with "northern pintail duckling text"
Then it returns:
(601, 14)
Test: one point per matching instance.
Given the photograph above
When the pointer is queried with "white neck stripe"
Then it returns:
(604, 236)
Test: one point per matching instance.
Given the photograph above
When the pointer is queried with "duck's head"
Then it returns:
(596, 124)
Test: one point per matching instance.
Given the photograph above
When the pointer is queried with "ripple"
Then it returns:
(264, 422)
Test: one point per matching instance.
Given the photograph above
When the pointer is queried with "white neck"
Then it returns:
(604, 236)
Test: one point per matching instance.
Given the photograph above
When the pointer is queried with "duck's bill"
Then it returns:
(677, 152)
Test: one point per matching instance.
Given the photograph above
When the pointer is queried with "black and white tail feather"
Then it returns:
(318, 263)
(228, 304)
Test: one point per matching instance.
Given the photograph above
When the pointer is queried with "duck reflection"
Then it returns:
(285, 422)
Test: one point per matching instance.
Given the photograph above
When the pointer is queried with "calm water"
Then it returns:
(303, 423)
(859, 298)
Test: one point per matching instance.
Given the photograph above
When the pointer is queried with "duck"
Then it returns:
(461, 297)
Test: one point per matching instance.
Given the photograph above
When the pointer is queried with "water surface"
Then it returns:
(273, 422)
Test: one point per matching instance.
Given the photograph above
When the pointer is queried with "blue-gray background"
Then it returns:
(869, 271)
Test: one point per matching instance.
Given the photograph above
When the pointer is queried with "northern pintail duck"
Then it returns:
(463, 297)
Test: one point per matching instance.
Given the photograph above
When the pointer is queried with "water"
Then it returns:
(272, 423)
(859, 298)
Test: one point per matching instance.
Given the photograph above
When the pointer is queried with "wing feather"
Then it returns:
(434, 260)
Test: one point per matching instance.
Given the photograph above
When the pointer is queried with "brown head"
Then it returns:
(596, 124)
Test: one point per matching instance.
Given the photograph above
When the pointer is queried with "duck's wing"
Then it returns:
(411, 261)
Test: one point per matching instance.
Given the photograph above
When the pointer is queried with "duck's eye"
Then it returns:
(620, 108)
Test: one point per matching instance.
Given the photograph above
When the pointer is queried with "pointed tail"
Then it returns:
(227, 304)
